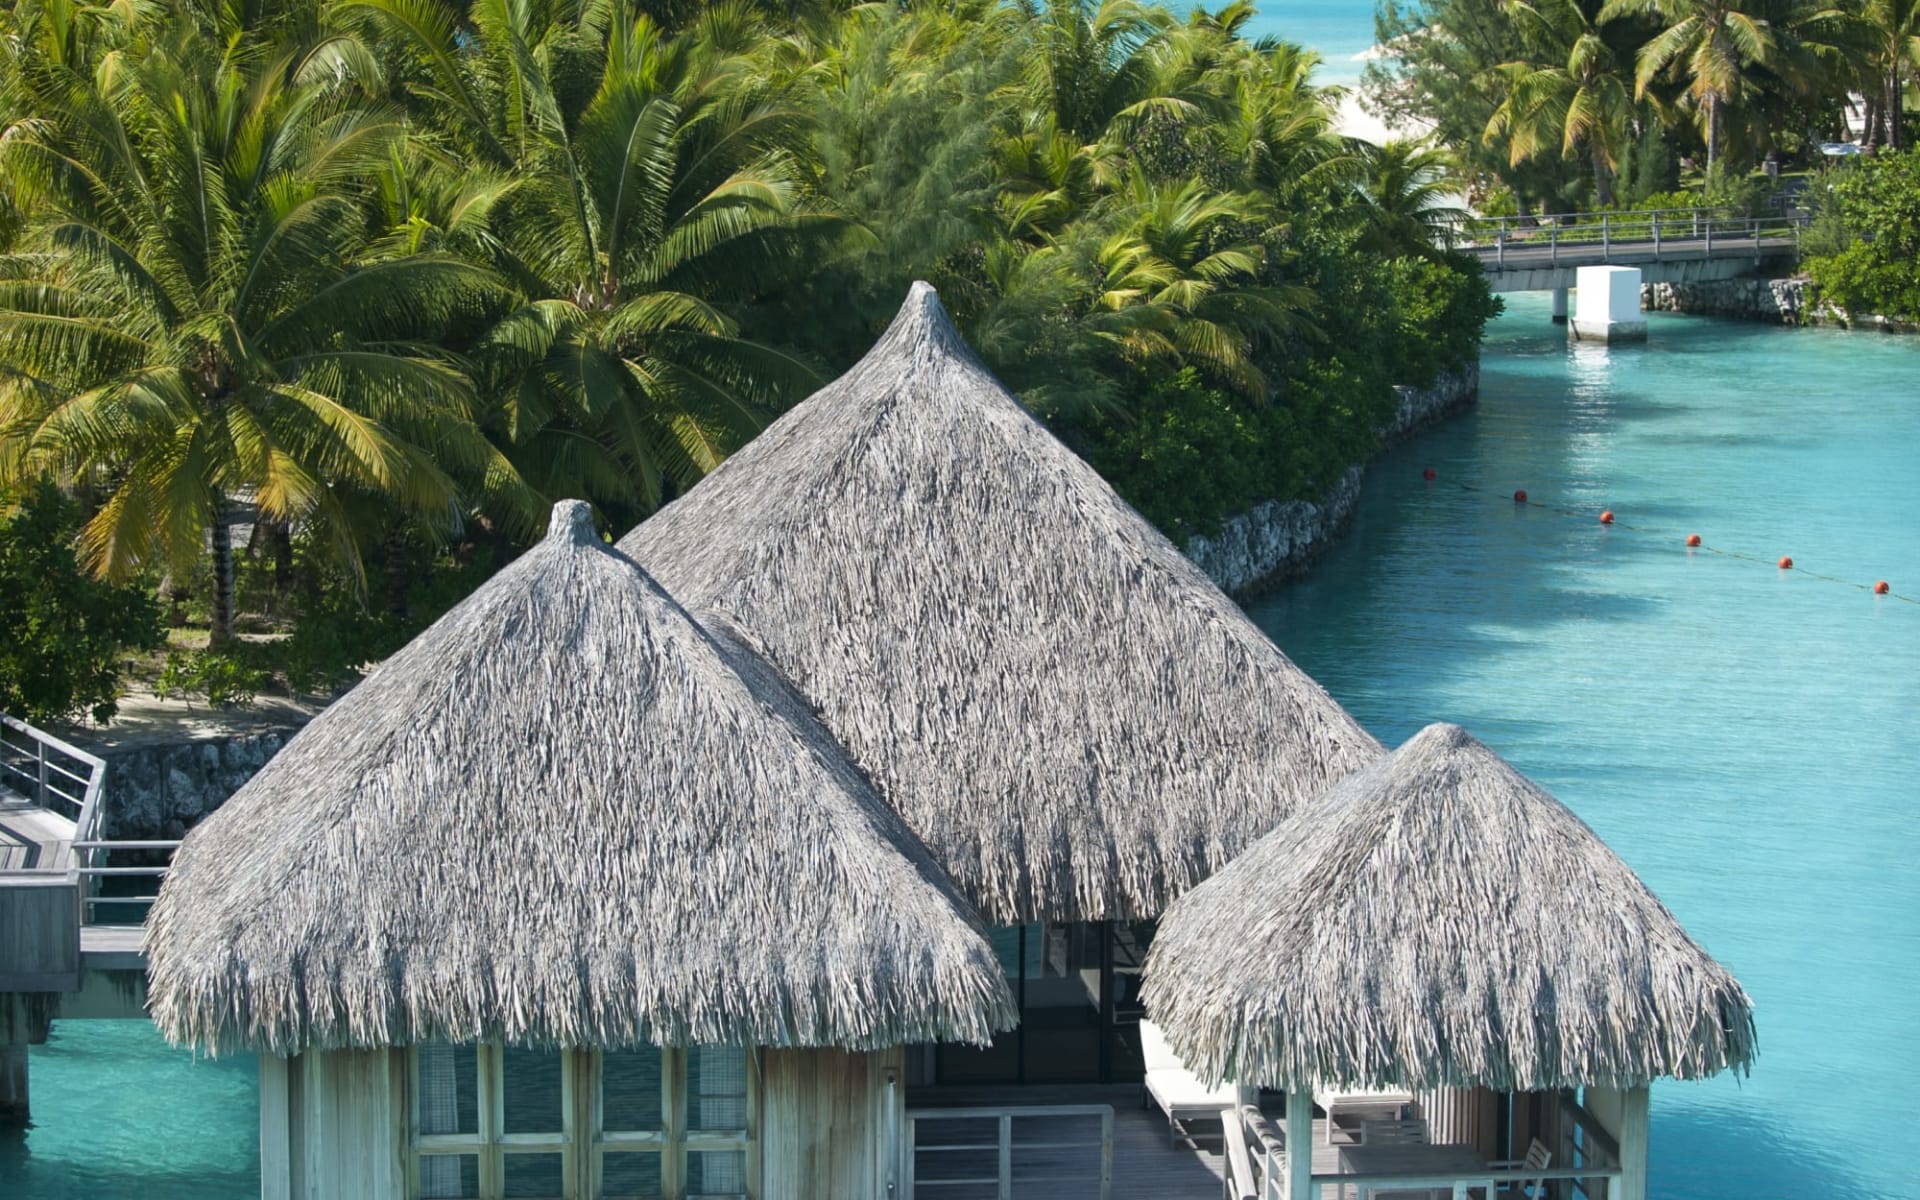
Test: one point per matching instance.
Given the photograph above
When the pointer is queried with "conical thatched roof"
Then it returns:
(565, 814)
(1076, 722)
(1438, 920)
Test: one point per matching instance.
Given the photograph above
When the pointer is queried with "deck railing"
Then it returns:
(1264, 1173)
(1692, 230)
(58, 777)
(68, 781)
(1059, 1151)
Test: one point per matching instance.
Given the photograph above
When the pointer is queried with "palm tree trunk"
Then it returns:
(1602, 179)
(221, 626)
(398, 576)
(1894, 104)
(280, 536)
(1713, 130)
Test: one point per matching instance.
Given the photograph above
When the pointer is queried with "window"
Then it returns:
(503, 1123)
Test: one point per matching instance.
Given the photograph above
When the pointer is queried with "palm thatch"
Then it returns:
(1076, 722)
(565, 815)
(1439, 920)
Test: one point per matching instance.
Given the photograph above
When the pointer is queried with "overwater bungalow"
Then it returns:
(1440, 929)
(808, 845)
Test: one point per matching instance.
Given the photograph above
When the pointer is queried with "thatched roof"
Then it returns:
(566, 814)
(1438, 920)
(1076, 722)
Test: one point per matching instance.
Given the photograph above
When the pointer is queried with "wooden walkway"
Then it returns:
(32, 838)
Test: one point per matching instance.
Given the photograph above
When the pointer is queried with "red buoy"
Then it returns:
(1430, 474)
(1881, 588)
(1693, 539)
(1786, 564)
(1520, 497)
(1606, 518)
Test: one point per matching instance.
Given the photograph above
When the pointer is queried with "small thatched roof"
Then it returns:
(1076, 722)
(1438, 920)
(565, 815)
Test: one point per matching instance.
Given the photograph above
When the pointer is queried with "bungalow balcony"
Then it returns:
(1109, 1142)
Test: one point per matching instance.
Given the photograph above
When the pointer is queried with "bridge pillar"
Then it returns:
(14, 1110)
(25, 1018)
(1560, 306)
(1608, 308)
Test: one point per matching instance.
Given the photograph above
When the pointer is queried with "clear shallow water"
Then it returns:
(120, 1115)
(1748, 739)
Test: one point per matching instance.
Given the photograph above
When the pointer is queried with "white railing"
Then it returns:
(58, 777)
(67, 781)
(1264, 1175)
(1691, 232)
(959, 1141)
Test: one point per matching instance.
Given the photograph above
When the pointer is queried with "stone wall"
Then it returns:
(1278, 540)
(1783, 301)
(160, 791)
(170, 763)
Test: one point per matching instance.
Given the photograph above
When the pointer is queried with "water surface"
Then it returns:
(1746, 738)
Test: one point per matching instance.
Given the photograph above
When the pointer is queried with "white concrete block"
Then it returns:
(1607, 306)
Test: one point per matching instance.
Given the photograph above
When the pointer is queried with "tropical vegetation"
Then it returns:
(308, 311)
(1567, 105)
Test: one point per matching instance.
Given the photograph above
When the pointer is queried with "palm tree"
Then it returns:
(1406, 190)
(654, 192)
(1571, 94)
(1892, 30)
(1710, 43)
(190, 321)
(1181, 281)
(1092, 62)
(1276, 124)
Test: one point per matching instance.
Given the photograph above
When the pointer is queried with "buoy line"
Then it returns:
(1879, 587)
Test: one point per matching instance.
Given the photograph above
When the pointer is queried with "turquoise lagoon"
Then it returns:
(1747, 738)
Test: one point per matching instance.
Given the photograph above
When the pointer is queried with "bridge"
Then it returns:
(70, 930)
(1682, 245)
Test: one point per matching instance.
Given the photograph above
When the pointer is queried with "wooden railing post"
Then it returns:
(40, 756)
(1606, 235)
(1500, 243)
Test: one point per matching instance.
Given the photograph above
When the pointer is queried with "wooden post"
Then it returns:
(1634, 1109)
(14, 1109)
(1300, 1145)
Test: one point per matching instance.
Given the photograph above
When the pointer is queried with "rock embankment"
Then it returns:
(1776, 301)
(1786, 301)
(1278, 540)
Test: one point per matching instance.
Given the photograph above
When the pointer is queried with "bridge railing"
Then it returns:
(1692, 230)
(68, 781)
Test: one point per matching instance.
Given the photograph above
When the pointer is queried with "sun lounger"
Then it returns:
(1177, 1091)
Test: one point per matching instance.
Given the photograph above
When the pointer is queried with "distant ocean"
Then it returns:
(1341, 30)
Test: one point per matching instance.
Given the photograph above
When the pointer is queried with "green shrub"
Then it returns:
(1875, 204)
(1191, 455)
(223, 678)
(66, 633)
(1441, 310)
